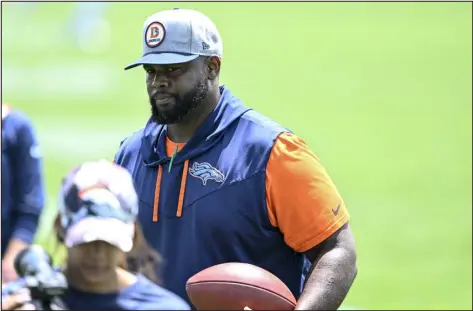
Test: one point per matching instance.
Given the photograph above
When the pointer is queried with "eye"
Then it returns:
(173, 69)
(149, 70)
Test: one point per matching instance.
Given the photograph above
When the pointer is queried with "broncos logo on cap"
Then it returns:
(204, 171)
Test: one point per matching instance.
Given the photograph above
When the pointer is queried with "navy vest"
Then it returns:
(224, 217)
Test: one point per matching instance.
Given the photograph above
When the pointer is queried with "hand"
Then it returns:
(18, 301)
(8, 271)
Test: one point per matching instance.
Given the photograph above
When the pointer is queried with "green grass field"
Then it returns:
(381, 92)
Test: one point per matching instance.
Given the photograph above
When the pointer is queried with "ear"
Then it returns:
(213, 66)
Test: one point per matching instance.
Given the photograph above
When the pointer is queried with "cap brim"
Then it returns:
(162, 59)
(110, 230)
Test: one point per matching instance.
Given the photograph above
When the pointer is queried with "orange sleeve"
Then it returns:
(302, 200)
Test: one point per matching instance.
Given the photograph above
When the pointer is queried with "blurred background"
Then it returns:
(380, 91)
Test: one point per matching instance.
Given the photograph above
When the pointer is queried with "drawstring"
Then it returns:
(182, 191)
(156, 194)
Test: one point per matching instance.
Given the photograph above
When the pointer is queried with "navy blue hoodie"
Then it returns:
(142, 295)
(209, 206)
(22, 179)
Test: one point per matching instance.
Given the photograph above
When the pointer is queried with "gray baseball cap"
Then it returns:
(178, 36)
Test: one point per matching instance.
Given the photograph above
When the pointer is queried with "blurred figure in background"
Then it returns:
(90, 29)
(87, 25)
(22, 187)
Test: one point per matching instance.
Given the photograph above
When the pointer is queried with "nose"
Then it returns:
(160, 81)
(98, 249)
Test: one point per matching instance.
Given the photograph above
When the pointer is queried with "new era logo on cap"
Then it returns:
(178, 36)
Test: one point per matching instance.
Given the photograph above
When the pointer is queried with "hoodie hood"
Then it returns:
(153, 143)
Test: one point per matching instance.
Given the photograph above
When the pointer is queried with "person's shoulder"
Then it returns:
(17, 128)
(260, 131)
(263, 122)
(130, 145)
(15, 118)
(132, 141)
(290, 143)
(146, 295)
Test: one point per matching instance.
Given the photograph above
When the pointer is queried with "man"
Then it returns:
(219, 182)
(22, 187)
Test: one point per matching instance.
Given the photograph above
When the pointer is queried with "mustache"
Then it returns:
(162, 95)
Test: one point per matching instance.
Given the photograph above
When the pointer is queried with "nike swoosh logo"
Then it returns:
(335, 211)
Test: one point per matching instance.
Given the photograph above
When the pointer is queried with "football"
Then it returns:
(234, 286)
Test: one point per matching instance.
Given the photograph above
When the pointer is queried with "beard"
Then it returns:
(184, 104)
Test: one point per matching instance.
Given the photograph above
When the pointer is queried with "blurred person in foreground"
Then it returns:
(23, 192)
(219, 182)
(108, 260)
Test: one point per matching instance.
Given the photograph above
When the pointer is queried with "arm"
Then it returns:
(332, 274)
(307, 208)
(27, 170)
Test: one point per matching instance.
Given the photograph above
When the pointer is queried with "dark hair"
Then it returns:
(143, 258)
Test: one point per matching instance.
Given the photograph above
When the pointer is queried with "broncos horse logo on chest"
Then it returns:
(204, 171)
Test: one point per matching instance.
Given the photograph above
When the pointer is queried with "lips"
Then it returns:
(159, 96)
(163, 100)
(162, 96)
